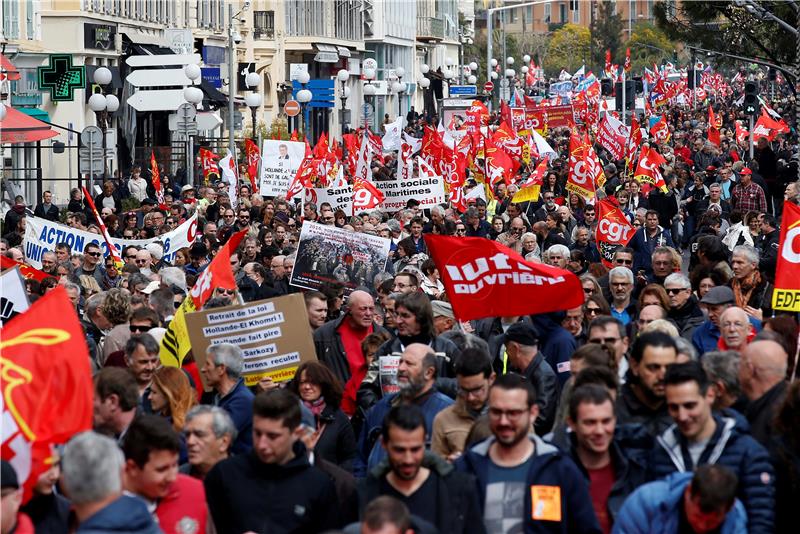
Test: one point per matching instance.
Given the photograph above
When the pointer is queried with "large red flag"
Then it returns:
(365, 195)
(209, 162)
(787, 275)
(768, 127)
(486, 279)
(613, 231)
(156, 179)
(24, 269)
(713, 127)
(647, 171)
(499, 166)
(47, 384)
(584, 168)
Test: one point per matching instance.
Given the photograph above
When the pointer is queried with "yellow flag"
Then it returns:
(527, 194)
(176, 344)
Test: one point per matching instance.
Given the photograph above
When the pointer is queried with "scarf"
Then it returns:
(742, 290)
(418, 338)
(316, 407)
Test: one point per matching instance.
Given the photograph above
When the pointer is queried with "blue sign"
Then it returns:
(212, 75)
(463, 90)
(213, 55)
(323, 92)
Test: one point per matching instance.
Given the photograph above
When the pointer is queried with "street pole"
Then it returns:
(750, 137)
(190, 162)
(624, 99)
(231, 81)
(91, 162)
(489, 30)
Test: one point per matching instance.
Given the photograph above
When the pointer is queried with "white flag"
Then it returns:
(14, 299)
(544, 148)
(391, 139)
(363, 168)
(228, 167)
(416, 144)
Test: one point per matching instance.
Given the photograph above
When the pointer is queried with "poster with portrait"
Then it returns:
(331, 254)
(279, 163)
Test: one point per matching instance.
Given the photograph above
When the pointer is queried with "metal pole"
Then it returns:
(190, 162)
(399, 99)
(101, 120)
(231, 80)
(624, 100)
(91, 161)
(750, 137)
(489, 13)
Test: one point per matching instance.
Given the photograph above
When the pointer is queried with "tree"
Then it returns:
(649, 45)
(728, 27)
(607, 34)
(568, 49)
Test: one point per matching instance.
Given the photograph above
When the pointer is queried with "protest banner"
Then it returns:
(556, 115)
(13, 297)
(429, 190)
(42, 236)
(279, 163)
(24, 269)
(340, 198)
(613, 136)
(273, 334)
(331, 254)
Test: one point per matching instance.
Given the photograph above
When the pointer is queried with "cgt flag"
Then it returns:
(176, 344)
(485, 279)
(47, 384)
(613, 231)
(787, 276)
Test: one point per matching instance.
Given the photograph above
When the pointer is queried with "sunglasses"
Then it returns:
(139, 328)
(676, 290)
(130, 257)
(222, 291)
(592, 311)
(94, 254)
(624, 262)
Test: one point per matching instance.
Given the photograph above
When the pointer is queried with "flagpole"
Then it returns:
(624, 100)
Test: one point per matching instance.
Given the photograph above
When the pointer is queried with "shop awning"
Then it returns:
(326, 53)
(7, 69)
(36, 113)
(19, 127)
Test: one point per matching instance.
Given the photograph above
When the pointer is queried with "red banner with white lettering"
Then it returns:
(613, 231)
(253, 158)
(47, 384)
(24, 269)
(613, 136)
(787, 276)
(486, 279)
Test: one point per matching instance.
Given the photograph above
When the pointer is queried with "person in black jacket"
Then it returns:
(597, 453)
(273, 488)
(47, 210)
(321, 393)
(421, 480)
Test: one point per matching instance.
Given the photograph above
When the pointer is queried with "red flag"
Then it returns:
(505, 112)
(647, 170)
(209, 162)
(294, 136)
(253, 155)
(741, 133)
(302, 179)
(112, 250)
(713, 127)
(529, 190)
(584, 167)
(787, 275)
(613, 231)
(156, 179)
(608, 69)
(486, 279)
(627, 65)
(768, 127)
(24, 269)
(499, 166)
(47, 384)
(365, 196)
(508, 139)
(660, 130)
(613, 136)
(218, 273)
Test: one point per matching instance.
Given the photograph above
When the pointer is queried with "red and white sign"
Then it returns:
(613, 136)
(292, 108)
(488, 87)
(787, 276)
(613, 231)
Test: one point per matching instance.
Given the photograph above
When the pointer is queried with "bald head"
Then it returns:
(416, 372)
(360, 308)
(763, 365)
(650, 313)
(735, 327)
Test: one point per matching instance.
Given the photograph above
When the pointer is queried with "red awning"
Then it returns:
(7, 69)
(18, 127)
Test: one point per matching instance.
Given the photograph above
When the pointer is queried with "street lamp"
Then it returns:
(194, 96)
(343, 76)
(399, 87)
(369, 90)
(102, 105)
(253, 99)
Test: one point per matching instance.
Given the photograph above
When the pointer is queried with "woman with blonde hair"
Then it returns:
(172, 396)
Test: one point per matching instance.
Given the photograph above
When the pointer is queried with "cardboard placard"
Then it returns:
(328, 254)
(279, 163)
(273, 334)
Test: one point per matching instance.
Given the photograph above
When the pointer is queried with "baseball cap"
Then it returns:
(718, 295)
(187, 187)
(523, 333)
(8, 476)
(152, 286)
(745, 171)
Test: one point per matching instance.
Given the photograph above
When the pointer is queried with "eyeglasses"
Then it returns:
(602, 340)
(472, 391)
(94, 254)
(110, 266)
(620, 284)
(130, 257)
(461, 230)
(593, 311)
(676, 290)
(623, 262)
(141, 261)
(588, 290)
(511, 415)
(139, 328)
(223, 291)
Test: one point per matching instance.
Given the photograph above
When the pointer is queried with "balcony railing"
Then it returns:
(430, 28)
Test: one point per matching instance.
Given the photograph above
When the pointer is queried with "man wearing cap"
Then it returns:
(522, 352)
(718, 299)
(747, 196)
(12, 520)
(443, 317)
(187, 194)
(146, 207)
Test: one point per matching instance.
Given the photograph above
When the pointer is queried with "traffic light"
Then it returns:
(751, 104)
(630, 95)
(691, 78)
(772, 74)
(606, 87)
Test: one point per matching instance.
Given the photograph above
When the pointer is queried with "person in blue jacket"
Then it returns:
(700, 437)
(223, 372)
(703, 501)
(646, 240)
(525, 484)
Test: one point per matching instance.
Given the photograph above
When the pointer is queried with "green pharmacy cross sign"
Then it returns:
(61, 78)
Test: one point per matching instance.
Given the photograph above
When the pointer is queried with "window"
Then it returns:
(29, 27)
(547, 13)
(562, 12)
(264, 25)
(576, 12)
(529, 14)
(11, 21)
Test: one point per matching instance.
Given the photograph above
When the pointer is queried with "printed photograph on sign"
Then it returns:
(273, 334)
(340, 198)
(330, 254)
(279, 163)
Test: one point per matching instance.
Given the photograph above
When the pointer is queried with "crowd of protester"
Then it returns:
(666, 402)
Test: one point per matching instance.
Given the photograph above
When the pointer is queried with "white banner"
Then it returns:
(14, 299)
(428, 190)
(42, 236)
(279, 163)
(338, 197)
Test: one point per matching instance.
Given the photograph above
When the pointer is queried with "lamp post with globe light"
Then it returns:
(194, 96)
(343, 76)
(425, 84)
(304, 96)
(399, 88)
(102, 105)
(253, 99)
(369, 91)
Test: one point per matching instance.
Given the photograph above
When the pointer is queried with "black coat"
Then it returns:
(458, 507)
(51, 213)
(337, 443)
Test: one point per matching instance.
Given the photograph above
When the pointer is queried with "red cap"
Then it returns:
(711, 168)
(745, 171)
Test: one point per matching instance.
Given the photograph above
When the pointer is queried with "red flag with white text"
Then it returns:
(156, 179)
(613, 231)
(486, 279)
(253, 155)
(787, 275)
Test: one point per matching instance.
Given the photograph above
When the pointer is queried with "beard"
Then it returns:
(412, 387)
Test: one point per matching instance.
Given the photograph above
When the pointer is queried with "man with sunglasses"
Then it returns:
(684, 309)
(623, 257)
(92, 256)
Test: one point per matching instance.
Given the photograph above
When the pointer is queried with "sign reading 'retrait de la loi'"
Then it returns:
(273, 334)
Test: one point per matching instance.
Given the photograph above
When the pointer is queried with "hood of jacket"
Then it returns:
(541, 447)
(671, 440)
(126, 514)
(431, 461)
